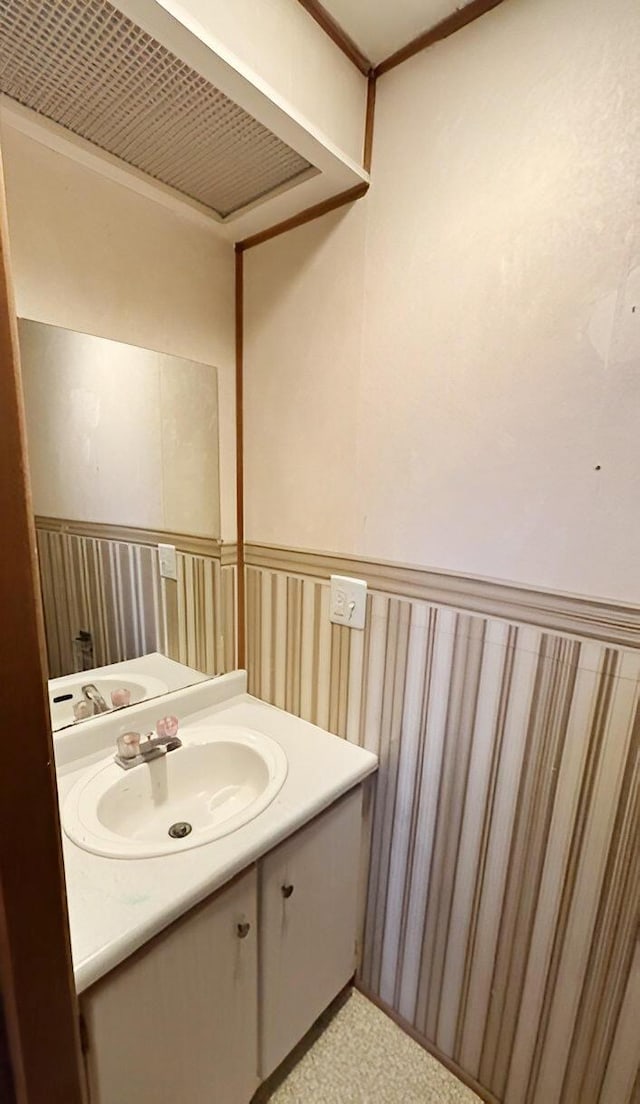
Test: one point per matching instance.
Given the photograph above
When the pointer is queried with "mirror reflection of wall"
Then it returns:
(123, 454)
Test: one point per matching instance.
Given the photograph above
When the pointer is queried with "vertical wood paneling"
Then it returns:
(611, 951)
(113, 590)
(429, 738)
(486, 744)
(504, 878)
(622, 1075)
(198, 616)
(395, 931)
(500, 813)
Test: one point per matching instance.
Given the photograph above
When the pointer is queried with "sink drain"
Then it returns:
(180, 829)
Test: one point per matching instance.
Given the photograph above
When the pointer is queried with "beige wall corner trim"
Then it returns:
(335, 32)
(36, 977)
(311, 213)
(228, 553)
(608, 621)
(127, 534)
(455, 22)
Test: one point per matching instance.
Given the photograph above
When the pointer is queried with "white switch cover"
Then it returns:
(168, 565)
(348, 604)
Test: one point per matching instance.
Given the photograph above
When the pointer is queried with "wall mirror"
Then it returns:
(123, 456)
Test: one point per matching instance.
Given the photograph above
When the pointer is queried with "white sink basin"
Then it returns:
(213, 785)
(65, 692)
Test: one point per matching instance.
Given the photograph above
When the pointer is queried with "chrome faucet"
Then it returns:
(134, 750)
(91, 694)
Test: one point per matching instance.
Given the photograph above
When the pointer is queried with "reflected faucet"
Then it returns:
(91, 694)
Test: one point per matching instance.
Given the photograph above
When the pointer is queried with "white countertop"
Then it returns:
(116, 905)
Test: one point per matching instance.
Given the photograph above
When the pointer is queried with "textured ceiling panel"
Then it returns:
(86, 66)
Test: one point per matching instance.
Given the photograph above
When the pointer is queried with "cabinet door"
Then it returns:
(308, 903)
(178, 1021)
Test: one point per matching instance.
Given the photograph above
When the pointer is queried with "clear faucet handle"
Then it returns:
(120, 697)
(82, 710)
(129, 745)
(167, 727)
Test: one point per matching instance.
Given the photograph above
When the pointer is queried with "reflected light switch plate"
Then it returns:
(167, 557)
(348, 604)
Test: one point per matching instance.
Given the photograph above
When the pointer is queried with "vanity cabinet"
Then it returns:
(308, 921)
(178, 1021)
(210, 1007)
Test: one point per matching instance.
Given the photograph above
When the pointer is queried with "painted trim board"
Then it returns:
(239, 351)
(338, 35)
(129, 534)
(308, 215)
(608, 621)
(367, 152)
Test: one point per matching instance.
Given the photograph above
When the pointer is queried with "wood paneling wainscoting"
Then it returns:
(106, 580)
(502, 913)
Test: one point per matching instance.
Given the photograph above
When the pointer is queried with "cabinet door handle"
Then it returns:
(243, 929)
(287, 890)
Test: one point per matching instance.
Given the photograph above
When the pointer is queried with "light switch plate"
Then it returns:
(167, 558)
(348, 604)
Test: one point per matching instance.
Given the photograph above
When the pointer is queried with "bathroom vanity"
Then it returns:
(198, 971)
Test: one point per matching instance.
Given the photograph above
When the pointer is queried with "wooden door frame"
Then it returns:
(36, 973)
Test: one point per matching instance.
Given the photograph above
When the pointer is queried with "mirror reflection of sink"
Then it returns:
(189, 797)
(65, 692)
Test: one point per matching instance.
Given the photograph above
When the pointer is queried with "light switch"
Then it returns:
(167, 557)
(348, 605)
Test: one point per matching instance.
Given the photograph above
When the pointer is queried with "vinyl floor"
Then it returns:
(357, 1055)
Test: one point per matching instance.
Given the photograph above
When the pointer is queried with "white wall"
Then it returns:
(91, 255)
(284, 46)
(447, 374)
